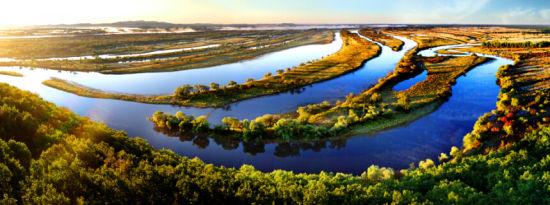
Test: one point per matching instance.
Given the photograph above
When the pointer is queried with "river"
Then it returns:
(473, 95)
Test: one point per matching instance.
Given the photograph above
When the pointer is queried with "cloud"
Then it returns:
(525, 16)
(545, 14)
(455, 11)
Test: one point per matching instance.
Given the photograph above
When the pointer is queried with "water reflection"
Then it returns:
(424, 138)
(427, 137)
(257, 146)
(167, 82)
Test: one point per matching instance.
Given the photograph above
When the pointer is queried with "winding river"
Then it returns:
(473, 95)
(167, 82)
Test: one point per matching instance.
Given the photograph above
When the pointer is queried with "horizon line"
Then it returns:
(199, 23)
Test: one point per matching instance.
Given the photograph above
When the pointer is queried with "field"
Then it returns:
(214, 48)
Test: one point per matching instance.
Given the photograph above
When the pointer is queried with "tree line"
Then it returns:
(49, 155)
(527, 44)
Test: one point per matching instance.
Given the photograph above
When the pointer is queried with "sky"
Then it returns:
(41, 12)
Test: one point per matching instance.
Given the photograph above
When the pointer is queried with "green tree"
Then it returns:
(214, 86)
(183, 91)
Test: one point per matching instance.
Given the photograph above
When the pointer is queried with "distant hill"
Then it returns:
(196, 26)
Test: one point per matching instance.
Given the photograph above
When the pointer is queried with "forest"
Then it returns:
(64, 141)
(57, 157)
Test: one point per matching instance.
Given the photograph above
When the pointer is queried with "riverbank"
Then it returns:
(381, 37)
(102, 161)
(374, 110)
(11, 73)
(228, 49)
(84, 91)
(351, 56)
(523, 104)
(422, 98)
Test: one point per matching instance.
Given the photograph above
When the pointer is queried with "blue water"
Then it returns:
(167, 82)
(406, 84)
(473, 95)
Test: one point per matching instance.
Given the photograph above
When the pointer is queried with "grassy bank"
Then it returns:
(371, 111)
(420, 99)
(523, 104)
(11, 73)
(233, 47)
(378, 36)
(84, 91)
(351, 56)
(428, 38)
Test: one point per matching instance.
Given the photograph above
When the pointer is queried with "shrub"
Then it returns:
(232, 123)
(183, 91)
(200, 124)
(214, 86)
(375, 97)
(403, 102)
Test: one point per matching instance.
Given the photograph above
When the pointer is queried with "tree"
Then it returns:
(231, 84)
(253, 130)
(214, 86)
(184, 121)
(232, 123)
(267, 119)
(403, 102)
(376, 174)
(201, 88)
(200, 124)
(375, 97)
(183, 91)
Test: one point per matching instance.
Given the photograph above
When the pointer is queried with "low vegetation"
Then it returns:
(351, 56)
(523, 103)
(51, 156)
(385, 39)
(48, 155)
(11, 73)
(527, 44)
(377, 108)
(233, 46)
(82, 90)
(428, 38)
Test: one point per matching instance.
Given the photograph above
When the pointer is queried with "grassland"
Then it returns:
(11, 73)
(234, 46)
(351, 56)
(378, 36)
(82, 90)
(428, 38)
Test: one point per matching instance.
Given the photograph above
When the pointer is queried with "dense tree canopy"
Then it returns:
(49, 155)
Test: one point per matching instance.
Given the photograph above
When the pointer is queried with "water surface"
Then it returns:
(473, 95)
(167, 82)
